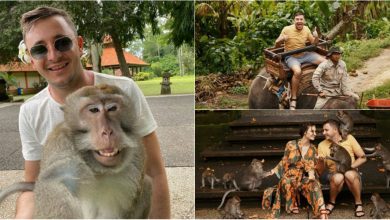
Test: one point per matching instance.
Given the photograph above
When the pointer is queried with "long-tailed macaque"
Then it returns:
(209, 176)
(341, 157)
(346, 123)
(382, 152)
(232, 209)
(93, 164)
(380, 207)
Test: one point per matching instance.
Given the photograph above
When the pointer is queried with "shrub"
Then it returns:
(239, 90)
(142, 76)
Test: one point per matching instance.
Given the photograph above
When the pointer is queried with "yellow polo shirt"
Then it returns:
(350, 144)
(296, 38)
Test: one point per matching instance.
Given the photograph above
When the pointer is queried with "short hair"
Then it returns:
(299, 13)
(304, 127)
(333, 123)
(29, 18)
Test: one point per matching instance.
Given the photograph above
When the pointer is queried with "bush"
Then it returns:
(157, 69)
(142, 76)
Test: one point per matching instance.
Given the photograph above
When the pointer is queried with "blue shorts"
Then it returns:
(307, 57)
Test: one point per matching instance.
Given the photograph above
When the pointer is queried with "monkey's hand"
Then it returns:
(269, 173)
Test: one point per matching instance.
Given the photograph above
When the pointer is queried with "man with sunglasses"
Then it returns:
(55, 49)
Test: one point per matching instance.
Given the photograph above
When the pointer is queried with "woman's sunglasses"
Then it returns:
(62, 44)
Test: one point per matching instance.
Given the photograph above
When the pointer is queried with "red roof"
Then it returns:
(17, 67)
(109, 58)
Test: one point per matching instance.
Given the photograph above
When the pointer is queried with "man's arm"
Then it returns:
(313, 38)
(359, 153)
(25, 202)
(317, 76)
(155, 169)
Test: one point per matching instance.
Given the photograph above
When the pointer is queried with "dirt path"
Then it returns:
(378, 71)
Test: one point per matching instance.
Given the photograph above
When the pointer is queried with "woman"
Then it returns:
(297, 175)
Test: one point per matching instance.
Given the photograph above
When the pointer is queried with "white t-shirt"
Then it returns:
(41, 113)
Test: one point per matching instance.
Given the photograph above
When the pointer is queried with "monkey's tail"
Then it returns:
(16, 187)
(224, 197)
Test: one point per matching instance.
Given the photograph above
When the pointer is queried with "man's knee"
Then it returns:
(297, 71)
(351, 176)
(337, 179)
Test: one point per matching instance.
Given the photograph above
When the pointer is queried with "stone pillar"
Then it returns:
(166, 84)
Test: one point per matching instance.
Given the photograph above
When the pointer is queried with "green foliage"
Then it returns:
(377, 28)
(239, 90)
(157, 69)
(180, 85)
(142, 76)
(170, 64)
(9, 79)
(357, 51)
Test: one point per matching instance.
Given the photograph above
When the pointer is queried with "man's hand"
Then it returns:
(281, 38)
(322, 94)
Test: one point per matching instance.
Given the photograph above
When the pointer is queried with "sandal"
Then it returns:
(361, 211)
(330, 210)
(293, 103)
(324, 212)
(294, 210)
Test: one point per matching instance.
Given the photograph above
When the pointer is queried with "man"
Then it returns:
(351, 177)
(55, 50)
(295, 37)
(330, 78)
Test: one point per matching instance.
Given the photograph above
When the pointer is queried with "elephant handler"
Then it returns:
(331, 78)
(295, 37)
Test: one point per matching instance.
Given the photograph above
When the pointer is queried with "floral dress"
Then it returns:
(293, 172)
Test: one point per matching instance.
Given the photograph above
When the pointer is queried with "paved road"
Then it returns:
(174, 115)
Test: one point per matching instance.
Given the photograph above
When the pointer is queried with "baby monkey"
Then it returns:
(380, 207)
(341, 157)
(209, 176)
(232, 209)
(229, 181)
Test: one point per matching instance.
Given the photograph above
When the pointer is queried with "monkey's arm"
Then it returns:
(25, 202)
(156, 170)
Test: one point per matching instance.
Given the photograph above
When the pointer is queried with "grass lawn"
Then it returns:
(180, 85)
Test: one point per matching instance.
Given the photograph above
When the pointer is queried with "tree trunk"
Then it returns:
(180, 58)
(119, 53)
(346, 20)
(96, 58)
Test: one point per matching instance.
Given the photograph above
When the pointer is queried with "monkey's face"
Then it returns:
(101, 126)
(257, 165)
(333, 149)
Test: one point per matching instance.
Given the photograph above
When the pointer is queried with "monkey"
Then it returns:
(93, 163)
(229, 180)
(232, 209)
(341, 157)
(253, 176)
(382, 152)
(251, 179)
(346, 123)
(209, 175)
(380, 206)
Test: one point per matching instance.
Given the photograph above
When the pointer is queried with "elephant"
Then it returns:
(261, 98)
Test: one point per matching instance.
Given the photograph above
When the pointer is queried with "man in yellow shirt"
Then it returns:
(295, 37)
(352, 178)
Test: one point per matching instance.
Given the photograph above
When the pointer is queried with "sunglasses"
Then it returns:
(62, 44)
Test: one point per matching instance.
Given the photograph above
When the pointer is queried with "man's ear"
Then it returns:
(80, 43)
